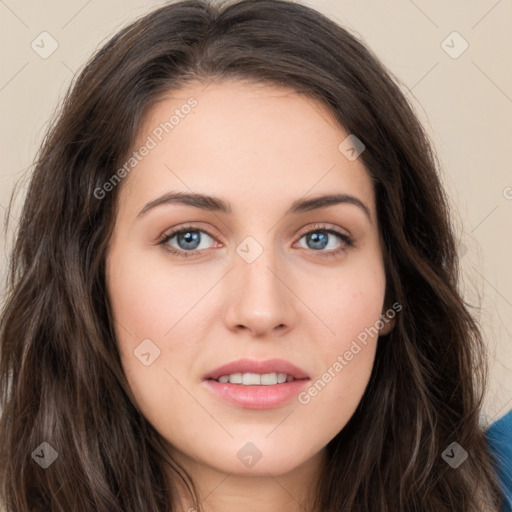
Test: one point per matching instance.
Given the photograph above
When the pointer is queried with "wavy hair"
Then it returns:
(61, 378)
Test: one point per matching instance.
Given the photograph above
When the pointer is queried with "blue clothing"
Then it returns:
(499, 441)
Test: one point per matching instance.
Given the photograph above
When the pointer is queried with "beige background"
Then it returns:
(465, 103)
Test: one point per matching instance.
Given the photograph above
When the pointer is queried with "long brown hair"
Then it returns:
(61, 379)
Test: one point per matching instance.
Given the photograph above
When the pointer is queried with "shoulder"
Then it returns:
(499, 440)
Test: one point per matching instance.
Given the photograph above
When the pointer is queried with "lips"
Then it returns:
(260, 367)
(252, 394)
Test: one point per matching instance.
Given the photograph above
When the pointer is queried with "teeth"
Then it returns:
(255, 379)
(252, 379)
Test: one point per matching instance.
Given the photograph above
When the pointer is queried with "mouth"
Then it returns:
(254, 384)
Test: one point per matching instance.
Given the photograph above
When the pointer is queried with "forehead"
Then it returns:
(240, 140)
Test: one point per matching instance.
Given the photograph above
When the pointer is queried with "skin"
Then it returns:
(259, 147)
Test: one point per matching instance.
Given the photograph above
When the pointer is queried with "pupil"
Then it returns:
(315, 237)
(189, 239)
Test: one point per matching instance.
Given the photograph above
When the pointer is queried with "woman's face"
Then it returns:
(263, 279)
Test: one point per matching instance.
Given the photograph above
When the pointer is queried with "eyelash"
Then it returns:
(347, 242)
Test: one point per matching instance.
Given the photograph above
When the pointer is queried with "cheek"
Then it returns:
(349, 308)
(155, 321)
(148, 299)
(346, 366)
(346, 303)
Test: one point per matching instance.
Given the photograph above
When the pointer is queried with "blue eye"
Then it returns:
(319, 238)
(189, 239)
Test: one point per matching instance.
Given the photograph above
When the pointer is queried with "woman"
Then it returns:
(315, 354)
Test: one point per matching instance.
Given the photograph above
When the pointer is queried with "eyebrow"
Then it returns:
(216, 204)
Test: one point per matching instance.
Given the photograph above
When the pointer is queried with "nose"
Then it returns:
(261, 300)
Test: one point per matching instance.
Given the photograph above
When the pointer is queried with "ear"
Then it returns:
(388, 318)
(388, 326)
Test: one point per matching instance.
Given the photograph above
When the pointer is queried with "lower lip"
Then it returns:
(257, 397)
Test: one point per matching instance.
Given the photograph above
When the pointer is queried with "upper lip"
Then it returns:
(261, 367)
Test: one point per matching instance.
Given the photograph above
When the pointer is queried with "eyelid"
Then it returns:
(324, 226)
(319, 225)
(188, 226)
